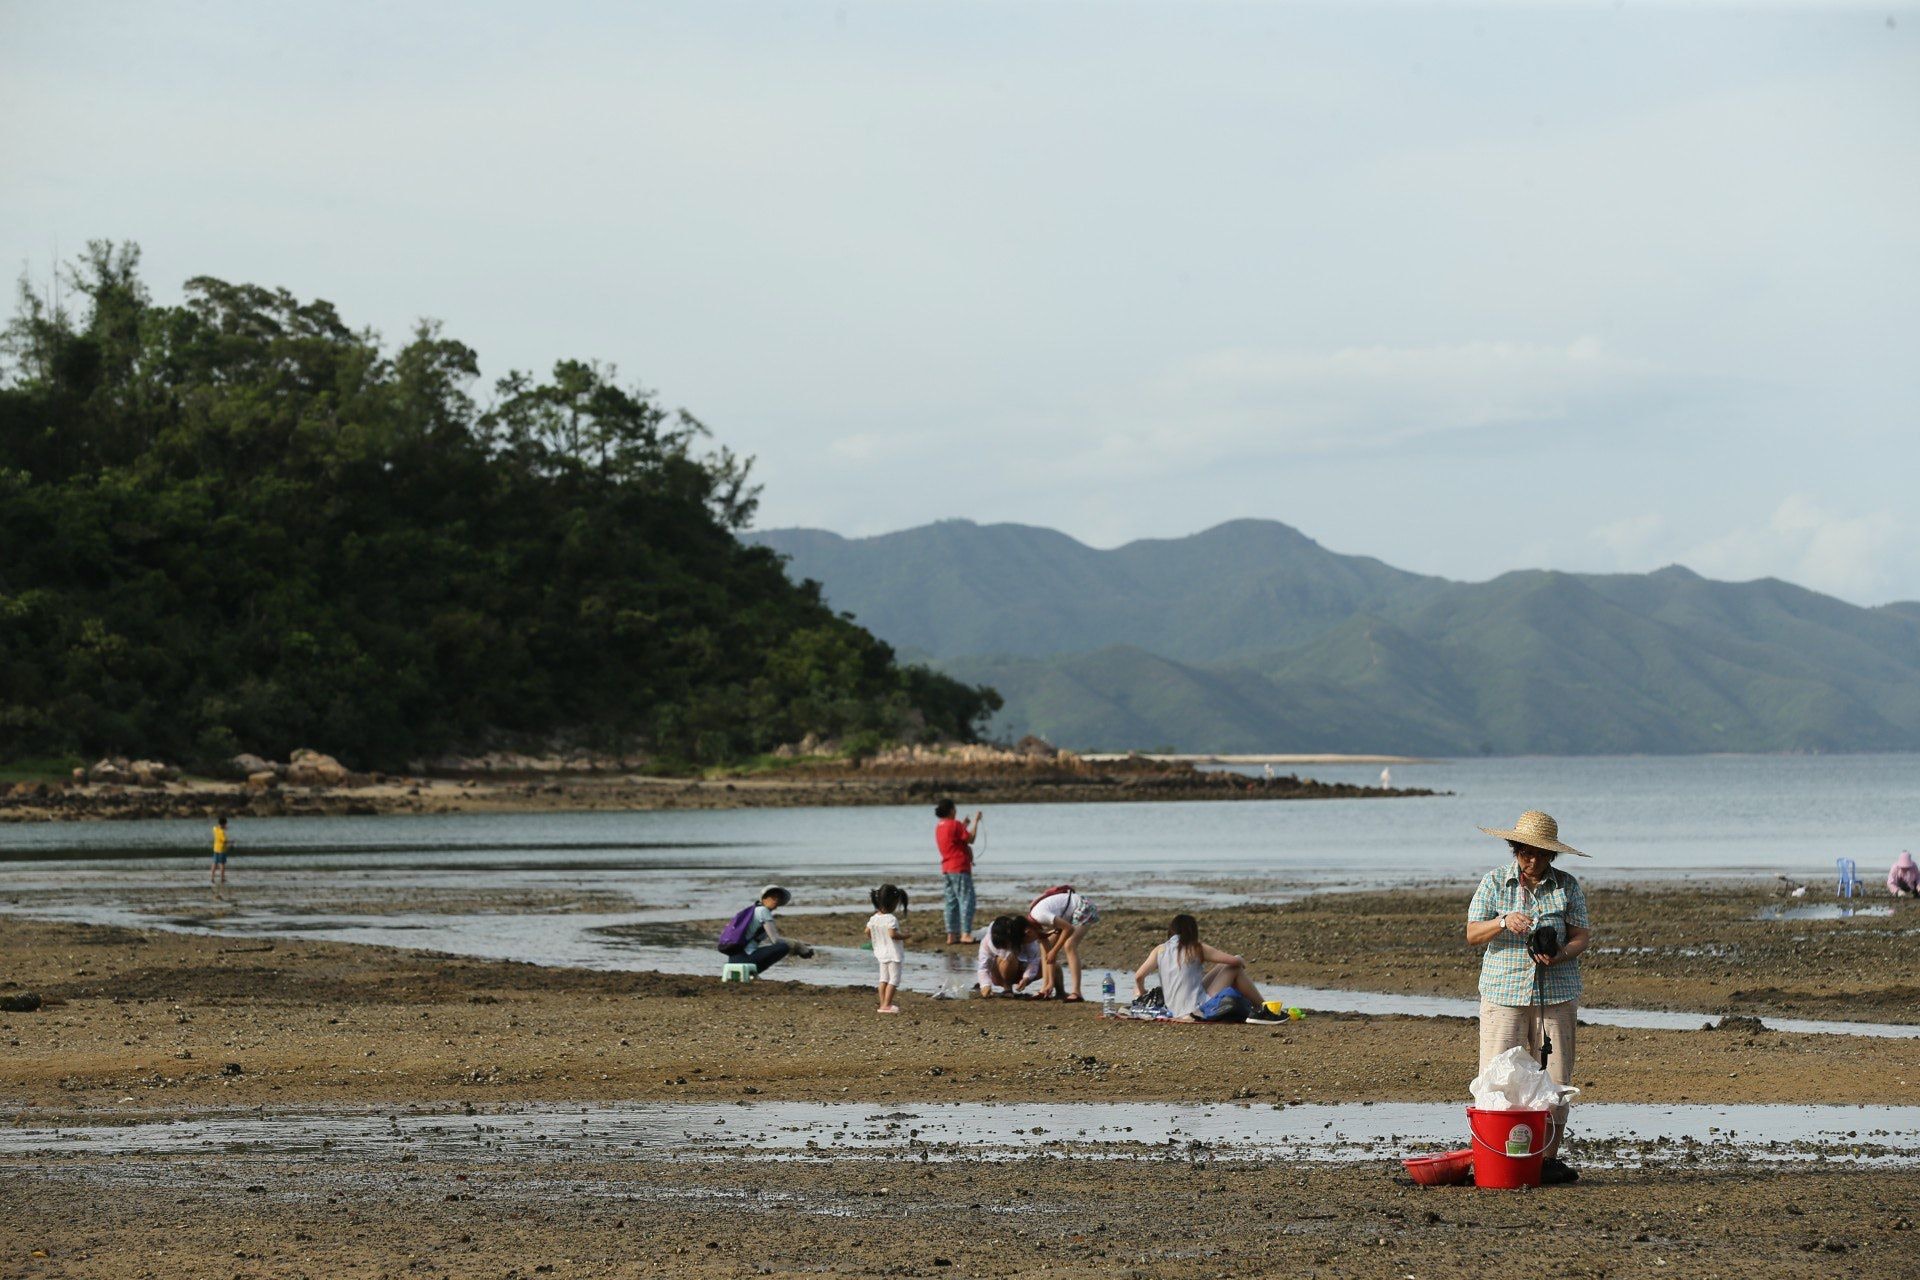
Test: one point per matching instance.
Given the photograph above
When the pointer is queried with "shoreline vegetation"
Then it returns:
(240, 524)
(816, 776)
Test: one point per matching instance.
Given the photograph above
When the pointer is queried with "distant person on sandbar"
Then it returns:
(954, 839)
(217, 869)
(760, 943)
(1903, 878)
(1531, 918)
(1196, 980)
(1061, 917)
(1009, 959)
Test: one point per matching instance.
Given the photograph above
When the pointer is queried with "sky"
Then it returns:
(1469, 288)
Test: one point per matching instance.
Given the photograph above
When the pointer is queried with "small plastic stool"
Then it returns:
(1849, 877)
(738, 973)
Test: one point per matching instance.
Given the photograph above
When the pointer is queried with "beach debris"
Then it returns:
(25, 1002)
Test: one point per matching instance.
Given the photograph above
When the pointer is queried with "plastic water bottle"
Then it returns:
(1107, 1009)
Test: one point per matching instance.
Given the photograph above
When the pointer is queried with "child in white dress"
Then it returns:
(889, 904)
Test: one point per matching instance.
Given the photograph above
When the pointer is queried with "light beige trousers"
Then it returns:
(1504, 1026)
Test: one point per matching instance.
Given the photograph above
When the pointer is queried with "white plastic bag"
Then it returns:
(1514, 1082)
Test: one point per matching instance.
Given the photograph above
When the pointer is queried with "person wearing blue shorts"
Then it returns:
(217, 871)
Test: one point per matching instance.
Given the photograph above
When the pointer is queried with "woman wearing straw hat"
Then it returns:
(1523, 992)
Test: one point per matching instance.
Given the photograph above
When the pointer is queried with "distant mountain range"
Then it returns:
(1252, 637)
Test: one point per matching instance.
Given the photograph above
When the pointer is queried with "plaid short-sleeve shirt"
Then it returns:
(1506, 970)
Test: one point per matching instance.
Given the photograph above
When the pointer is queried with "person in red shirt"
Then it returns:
(954, 839)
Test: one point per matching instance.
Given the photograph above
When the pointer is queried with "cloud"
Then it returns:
(1243, 403)
(1855, 556)
(1632, 538)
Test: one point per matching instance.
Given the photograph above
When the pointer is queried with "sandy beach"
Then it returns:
(145, 1026)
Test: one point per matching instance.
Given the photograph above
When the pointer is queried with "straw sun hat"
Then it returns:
(1538, 830)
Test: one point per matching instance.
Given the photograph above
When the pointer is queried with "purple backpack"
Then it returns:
(739, 929)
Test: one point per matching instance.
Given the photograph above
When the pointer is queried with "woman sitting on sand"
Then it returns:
(1060, 918)
(1191, 972)
(1009, 959)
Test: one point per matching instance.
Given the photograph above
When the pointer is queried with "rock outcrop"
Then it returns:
(309, 768)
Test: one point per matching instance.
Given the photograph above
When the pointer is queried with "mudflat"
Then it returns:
(142, 1026)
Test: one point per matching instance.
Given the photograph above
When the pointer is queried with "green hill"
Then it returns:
(957, 587)
(240, 524)
(1252, 637)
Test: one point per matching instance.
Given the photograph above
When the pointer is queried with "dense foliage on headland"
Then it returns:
(238, 524)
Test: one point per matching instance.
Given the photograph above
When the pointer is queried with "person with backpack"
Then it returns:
(1060, 918)
(752, 937)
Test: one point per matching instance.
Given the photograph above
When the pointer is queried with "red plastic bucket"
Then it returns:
(1508, 1146)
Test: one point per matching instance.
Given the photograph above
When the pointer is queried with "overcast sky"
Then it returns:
(1468, 288)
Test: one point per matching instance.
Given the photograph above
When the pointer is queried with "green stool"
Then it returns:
(738, 973)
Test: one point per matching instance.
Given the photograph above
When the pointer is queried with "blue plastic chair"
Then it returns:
(1849, 878)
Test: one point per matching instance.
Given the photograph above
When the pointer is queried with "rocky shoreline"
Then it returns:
(798, 786)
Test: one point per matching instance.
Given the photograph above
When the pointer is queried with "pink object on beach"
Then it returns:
(1904, 876)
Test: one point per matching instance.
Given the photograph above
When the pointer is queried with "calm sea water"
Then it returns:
(1639, 817)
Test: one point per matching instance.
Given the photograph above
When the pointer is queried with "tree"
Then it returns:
(241, 523)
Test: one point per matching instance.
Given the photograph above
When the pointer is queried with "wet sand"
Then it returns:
(145, 1024)
(1021, 1218)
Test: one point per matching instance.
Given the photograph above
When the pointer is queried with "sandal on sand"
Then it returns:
(1074, 999)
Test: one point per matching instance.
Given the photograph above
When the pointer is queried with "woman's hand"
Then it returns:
(1517, 922)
